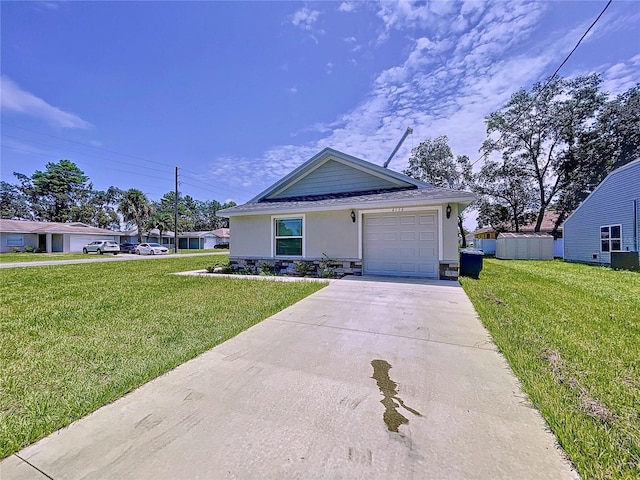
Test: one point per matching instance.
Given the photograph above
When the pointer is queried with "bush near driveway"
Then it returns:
(76, 337)
(571, 334)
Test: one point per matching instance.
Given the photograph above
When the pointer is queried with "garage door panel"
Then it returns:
(429, 219)
(408, 236)
(401, 244)
(428, 236)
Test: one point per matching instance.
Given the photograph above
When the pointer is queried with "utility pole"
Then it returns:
(175, 217)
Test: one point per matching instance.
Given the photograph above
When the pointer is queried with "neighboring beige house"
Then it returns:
(369, 219)
(50, 236)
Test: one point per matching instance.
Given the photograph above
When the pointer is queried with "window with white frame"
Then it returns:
(288, 236)
(15, 240)
(611, 238)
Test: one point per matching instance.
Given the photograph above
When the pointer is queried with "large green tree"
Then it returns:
(538, 131)
(13, 203)
(55, 192)
(135, 209)
(506, 197)
(98, 208)
(432, 161)
(613, 142)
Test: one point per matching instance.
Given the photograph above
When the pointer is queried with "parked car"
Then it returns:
(128, 247)
(151, 249)
(221, 245)
(102, 246)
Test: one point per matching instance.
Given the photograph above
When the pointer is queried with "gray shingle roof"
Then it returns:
(28, 226)
(416, 196)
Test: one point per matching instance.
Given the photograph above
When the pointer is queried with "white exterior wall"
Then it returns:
(332, 233)
(449, 234)
(251, 236)
(329, 232)
(28, 240)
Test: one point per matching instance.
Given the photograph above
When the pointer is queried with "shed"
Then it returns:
(524, 246)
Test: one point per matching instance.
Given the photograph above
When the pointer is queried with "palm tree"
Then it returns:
(160, 220)
(135, 207)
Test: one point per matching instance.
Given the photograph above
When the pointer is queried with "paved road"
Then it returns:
(104, 258)
(367, 378)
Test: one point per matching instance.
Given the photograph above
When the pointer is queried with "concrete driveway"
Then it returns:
(367, 378)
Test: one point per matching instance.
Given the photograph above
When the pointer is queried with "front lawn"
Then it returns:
(76, 337)
(571, 334)
(39, 257)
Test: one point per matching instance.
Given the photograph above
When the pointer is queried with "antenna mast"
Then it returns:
(395, 150)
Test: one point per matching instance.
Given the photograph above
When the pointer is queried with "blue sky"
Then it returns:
(237, 94)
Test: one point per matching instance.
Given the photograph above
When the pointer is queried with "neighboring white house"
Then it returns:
(369, 219)
(50, 236)
(608, 220)
(186, 240)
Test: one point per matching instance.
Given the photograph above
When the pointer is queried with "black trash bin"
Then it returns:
(470, 262)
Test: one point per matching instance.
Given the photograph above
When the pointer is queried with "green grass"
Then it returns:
(204, 250)
(76, 337)
(40, 257)
(571, 334)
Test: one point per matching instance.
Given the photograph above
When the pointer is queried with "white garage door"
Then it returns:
(401, 244)
(76, 242)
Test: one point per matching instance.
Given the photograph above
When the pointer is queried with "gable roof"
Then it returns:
(389, 188)
(391, 178)
(29, 226)
(618, 171)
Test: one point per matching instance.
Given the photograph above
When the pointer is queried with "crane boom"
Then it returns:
(395, 150)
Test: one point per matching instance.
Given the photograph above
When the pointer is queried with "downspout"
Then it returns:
(635, 224)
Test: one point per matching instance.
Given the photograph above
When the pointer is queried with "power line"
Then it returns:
(89, 145)
(76, 151)
(212, 186)
(112, 169)
(550, 79)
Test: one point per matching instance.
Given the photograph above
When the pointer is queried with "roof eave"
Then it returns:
(460, 200)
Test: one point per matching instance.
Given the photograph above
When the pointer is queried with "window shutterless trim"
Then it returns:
(300, 216)
(608, 241)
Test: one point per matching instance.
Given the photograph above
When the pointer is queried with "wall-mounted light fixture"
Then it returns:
(448, 210)
(353, 216)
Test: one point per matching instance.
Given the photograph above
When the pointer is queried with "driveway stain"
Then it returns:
(389, 390)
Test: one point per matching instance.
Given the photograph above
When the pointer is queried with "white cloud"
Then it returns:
(305, 18)
(347, 7)
(330, 68)
(448, 81)
(15, 99)
(293, 90)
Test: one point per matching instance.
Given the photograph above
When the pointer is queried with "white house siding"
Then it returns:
(612, 203)
(251, 236)
(28, 240)
(330, 232)
(334, 177)
(450, 235)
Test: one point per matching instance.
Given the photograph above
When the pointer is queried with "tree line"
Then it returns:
(547, 149)
(63, 193)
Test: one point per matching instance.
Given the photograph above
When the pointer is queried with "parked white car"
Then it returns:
(102, 246)
(151, 249)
